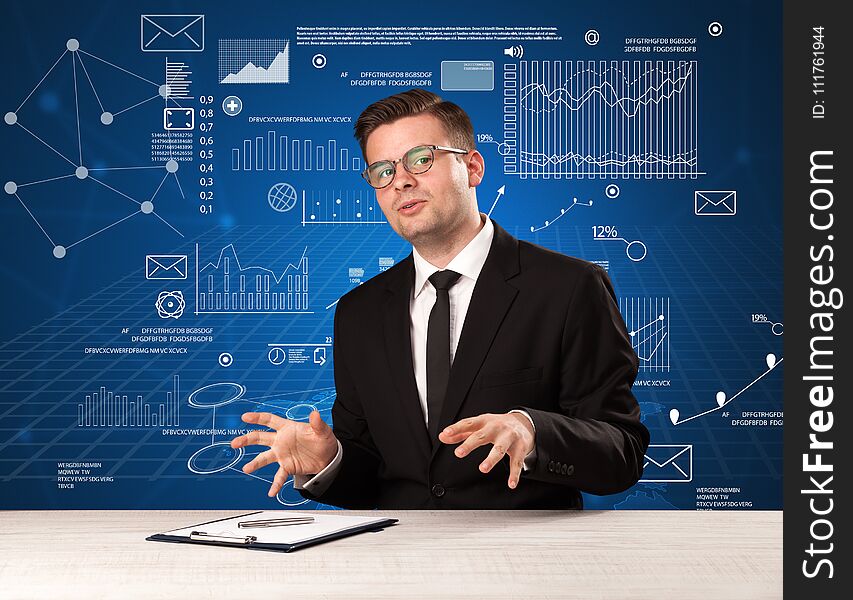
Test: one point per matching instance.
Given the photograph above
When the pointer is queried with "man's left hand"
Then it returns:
(510, 434)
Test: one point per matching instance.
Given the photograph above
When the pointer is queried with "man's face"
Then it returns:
(424, 208)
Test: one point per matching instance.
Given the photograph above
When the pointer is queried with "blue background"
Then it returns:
(716, 271)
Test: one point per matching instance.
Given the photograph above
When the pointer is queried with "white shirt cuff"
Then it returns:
(319, 483)
(530, 459)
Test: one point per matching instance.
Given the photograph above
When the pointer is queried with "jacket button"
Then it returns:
(438, 490)
(551, 466)
(570, 470)
(564, 469)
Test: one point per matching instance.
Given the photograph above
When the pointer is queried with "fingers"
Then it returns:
(278, 481)
(501, 447)
(317, 423)
(516, 465)
(261, 460)
(265, 419)
(252, 438)
(475, 440)
(457, 432)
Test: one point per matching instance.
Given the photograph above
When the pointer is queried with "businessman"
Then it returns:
(481, 371)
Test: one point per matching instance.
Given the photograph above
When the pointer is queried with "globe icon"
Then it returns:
(281, 197)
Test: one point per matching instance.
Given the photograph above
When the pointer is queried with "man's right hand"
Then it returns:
(298, 448)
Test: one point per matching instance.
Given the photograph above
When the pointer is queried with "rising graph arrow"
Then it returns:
(500, 193)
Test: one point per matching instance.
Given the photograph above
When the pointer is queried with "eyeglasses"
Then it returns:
(416, 161)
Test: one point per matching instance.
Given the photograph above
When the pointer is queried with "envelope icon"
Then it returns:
(166, 266)
(668, 463)
(715, 203)
(172, 33)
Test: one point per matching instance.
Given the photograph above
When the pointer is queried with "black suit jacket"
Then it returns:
(543, 333)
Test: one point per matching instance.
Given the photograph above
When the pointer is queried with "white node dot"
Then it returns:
(59, 251)
(81, 172)
(72, 45)
(106, 118)
(147, 207)
(830, 237)
(171, 165)
(11, 187)
(164, 90)
(10, 118)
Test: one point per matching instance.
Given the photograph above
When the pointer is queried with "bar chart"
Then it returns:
(274, 152)
(107, 408)
(227, 286)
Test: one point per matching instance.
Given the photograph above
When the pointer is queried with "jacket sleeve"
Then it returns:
(595, 441)
(355, 485)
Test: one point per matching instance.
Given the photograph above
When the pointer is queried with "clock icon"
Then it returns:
(277, 355)
(178, 119)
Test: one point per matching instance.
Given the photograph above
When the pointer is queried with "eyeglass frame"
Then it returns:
(393, 163)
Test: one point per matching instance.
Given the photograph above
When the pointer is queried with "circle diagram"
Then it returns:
(216, 394)
(214, 458)
(300, 412)
(288, 496)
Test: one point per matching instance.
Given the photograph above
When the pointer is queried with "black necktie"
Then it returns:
(438, 347)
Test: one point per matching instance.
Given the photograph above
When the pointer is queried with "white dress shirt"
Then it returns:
(468, 263)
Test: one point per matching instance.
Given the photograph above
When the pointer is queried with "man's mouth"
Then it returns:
(409, 204)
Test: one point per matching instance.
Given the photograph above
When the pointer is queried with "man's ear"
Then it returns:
(476, 168)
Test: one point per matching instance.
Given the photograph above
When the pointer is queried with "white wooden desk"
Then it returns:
(470, 554)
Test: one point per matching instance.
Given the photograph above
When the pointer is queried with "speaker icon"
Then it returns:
(514, 51)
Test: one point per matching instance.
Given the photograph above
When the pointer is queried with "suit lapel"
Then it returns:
(490, 301)
(398, 347)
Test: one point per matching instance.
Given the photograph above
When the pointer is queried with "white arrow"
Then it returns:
(500, 193)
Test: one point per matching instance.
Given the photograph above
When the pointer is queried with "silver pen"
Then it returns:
(276, 522)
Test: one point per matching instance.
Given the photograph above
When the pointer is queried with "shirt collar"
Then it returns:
(468, 263)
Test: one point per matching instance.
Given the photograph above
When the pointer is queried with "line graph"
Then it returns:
(563, 211)
(254, 61)
(341, 207)
(722, 400)
(227, 287)
(601, 119)
(647, 320)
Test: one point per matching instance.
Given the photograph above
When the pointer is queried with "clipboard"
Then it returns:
(274, 539)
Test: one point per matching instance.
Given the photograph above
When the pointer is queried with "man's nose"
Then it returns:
(403, 179)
